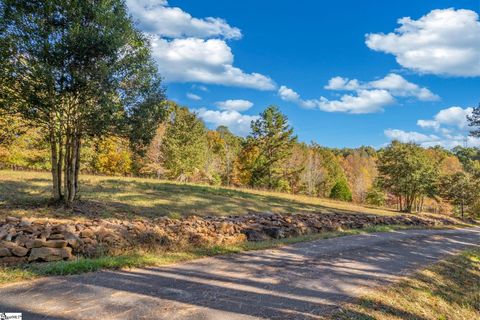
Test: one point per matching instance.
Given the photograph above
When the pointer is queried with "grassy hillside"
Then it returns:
(28, 193)
(447, 290)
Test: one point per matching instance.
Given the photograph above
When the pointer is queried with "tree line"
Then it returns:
(404, 176)
(80, 93)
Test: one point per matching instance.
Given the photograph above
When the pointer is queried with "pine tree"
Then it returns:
(341, 191)
(474, 121)
(273, 137)
(184, 145)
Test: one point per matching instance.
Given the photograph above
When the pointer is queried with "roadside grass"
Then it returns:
(447, 290)
(142, 259)
(27, 193)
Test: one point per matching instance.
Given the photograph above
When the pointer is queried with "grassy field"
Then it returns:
(27, 193)
(446, 291)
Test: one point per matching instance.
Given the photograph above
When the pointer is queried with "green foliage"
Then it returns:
(407, 172)
(23, 148)
(341, 191)
(474, 121)
(332, 170)
(375, 197)
(469, 157)
(273, 138)
(77, 69)
(462, 190)
(111, 156)
(184, 145)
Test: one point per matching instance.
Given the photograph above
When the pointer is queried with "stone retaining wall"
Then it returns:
(34, 240)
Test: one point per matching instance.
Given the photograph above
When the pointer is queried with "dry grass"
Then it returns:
(448, 290)
(27, 193)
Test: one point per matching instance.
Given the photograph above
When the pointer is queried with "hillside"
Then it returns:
(27, 193)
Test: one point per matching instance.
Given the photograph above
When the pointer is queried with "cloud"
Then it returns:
(205, 61)
(395, 84)
(450, 126)
(369, 97)
(429, 140)
(400, 87)
(199, 87)
(366, 101)
(410, 136)
(238, 123)
(443, 42)
(340, 83)
(156, 17)
(288, 94)
(453, 116)
(237, 105)
(188, 49)
(193, 96)
(428, 124)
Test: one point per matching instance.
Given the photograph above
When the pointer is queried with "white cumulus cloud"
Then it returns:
(395, 84)
(365, 101)
(368, 97)
(189, 49)
(453, 116)
(238, 123)
(156, 17)
(443, 42)
(450, 126)
(288, 94)
(205, 61)
(410, 136)
(238, 105)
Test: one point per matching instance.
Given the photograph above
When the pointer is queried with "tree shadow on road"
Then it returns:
(304, 281)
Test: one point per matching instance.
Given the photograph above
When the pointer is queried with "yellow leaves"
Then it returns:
(113, 156)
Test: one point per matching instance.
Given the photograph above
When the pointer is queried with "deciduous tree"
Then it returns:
(77, 69)
(406, 171)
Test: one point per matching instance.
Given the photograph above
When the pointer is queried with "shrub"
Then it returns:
(341, 191)
(375, 197)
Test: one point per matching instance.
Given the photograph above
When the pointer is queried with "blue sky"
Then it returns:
(346, 73)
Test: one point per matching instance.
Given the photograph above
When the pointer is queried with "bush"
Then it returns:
(341, 191)
(375, 197)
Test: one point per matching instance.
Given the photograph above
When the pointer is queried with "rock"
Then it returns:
(56, 243)
(87, 233)
(14, 248)
(4, 252)
(56, 236)
(73, 240)
(19, 251)
(35, 243)
(50, 254)
(12, 219)
(275, 232)
(24, 223)
(12, 260)
(255, 235)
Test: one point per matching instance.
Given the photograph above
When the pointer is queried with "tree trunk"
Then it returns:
(77, 164)
(67, 164)
(72, 160)
(54, 162)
